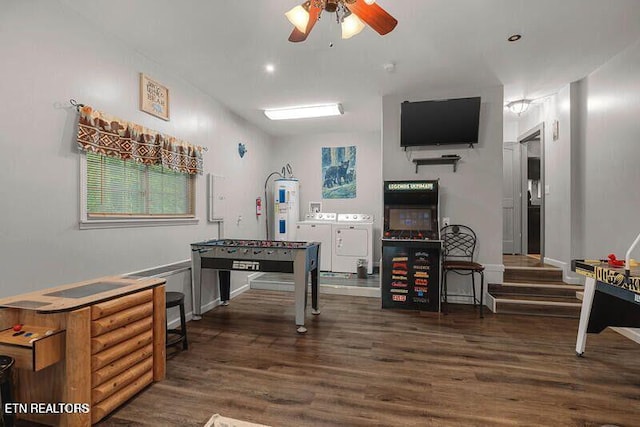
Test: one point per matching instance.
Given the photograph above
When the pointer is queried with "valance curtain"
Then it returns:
(110, 136)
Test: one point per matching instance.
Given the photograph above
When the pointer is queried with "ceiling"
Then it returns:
(222, 47)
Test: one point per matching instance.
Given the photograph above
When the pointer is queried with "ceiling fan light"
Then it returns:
(519, 107)
(299, 17)
(305, 112)
(351, 25)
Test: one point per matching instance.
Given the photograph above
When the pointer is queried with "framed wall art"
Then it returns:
(154, 97)
(339, 172)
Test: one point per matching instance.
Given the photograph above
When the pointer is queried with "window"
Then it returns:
(119, 190)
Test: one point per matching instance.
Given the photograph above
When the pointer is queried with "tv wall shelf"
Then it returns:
(444, 160)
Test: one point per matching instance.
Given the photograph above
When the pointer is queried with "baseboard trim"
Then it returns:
(498, 268)
(632, 333)
(567, 277)
(490, 302)
(324, 289)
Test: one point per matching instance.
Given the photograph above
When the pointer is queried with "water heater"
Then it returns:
(286, 208)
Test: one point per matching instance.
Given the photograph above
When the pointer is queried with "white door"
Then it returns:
(511, 198)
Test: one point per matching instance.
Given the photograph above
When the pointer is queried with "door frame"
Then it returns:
(533, 133)
(516, 183)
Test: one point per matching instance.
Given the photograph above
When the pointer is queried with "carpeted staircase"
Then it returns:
(535, 291)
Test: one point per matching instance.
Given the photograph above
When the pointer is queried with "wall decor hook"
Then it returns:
(242, 149)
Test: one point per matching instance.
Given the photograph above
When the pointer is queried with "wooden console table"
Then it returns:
(97, 342)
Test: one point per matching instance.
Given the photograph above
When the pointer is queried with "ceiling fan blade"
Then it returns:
(297, 35)
(374, 15)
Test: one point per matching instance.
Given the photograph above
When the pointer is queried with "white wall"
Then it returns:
(510, 126)
(303, 153)
(608, 176)
(470, 196)
(557, 168)
(50, 55)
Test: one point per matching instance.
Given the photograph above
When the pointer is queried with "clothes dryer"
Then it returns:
(352, 240)
(318, 227)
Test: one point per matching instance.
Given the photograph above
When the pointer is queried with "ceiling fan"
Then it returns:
(349, 13)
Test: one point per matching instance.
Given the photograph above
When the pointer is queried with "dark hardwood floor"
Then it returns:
(523, 261)
(362, 366)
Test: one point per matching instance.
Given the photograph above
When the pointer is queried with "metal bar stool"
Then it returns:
(459, 245)
(174, 299)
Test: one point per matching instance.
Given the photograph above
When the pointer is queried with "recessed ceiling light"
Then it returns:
(304, 112)
(270, 68)
(514, 37)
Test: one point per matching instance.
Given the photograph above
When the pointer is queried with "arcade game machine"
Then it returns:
(411, 246)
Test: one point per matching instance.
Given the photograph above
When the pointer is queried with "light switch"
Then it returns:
(546, 189)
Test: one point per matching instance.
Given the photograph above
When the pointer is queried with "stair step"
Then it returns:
(542, 299)
(528, 288)
(541, 282)
(540, 306)
(537, 274)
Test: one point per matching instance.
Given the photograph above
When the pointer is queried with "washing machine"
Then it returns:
(352, 240)
(317, 227)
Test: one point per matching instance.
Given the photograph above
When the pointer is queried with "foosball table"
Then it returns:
(611, 298)
(225, 255)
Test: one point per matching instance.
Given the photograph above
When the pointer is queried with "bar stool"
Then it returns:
(174, 299)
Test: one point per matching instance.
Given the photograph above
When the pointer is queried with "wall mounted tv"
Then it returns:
(442, 122)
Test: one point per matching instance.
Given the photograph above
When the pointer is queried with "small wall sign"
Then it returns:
(154, 97)
(556, 130)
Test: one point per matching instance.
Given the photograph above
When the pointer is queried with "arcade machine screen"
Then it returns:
(410, 219)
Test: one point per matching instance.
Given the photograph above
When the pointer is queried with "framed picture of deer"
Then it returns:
(339, 172)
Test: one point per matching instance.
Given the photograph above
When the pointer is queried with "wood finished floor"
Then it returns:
(362, 366)
(523, 261)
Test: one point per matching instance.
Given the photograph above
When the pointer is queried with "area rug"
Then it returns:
(218, 420)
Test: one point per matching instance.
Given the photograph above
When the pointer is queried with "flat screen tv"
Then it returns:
(449, 121)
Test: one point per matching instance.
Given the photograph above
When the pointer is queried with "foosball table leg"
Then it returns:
(585, 312)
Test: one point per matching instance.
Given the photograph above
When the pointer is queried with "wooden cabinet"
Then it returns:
(120, 328)
(100, 353)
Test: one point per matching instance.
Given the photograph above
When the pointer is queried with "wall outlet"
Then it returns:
(446, 221)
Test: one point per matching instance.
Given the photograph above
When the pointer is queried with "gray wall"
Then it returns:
(304, 155)
(473, 194)
(50, 55)
(591, 169)
(608, 138)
